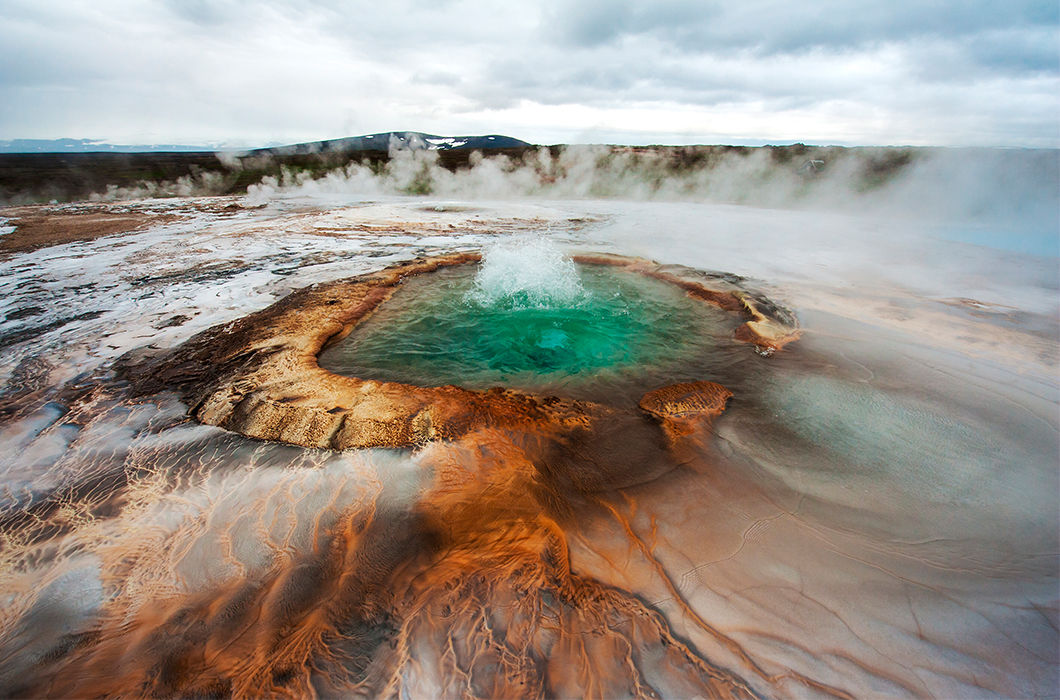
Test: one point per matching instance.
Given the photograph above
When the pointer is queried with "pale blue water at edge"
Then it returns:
(1038, 242)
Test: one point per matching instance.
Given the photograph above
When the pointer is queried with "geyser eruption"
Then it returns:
(527, 272)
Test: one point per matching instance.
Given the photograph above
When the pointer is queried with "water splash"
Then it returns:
(526, 273)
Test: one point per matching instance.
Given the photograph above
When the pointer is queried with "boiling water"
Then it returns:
(874, 514)
(527, 272)
(599, 332)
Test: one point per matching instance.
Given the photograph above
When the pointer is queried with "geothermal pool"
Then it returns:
(581, 330)
(874, 513)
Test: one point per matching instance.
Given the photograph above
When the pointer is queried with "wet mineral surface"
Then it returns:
(867, 511)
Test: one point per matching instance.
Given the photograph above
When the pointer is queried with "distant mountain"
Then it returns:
(92, 146)
(398, 140)
(386, 141)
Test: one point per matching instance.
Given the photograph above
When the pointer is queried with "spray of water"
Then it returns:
(524, 273)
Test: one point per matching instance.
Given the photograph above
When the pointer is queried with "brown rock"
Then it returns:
(769, 328)
(679, 406)
(706, 399)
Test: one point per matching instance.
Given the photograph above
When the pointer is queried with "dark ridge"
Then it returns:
(27, 178)
(402, 140)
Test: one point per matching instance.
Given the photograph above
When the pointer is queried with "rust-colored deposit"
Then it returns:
(467, 592)
(452, 578)
(259, 375)
(678, 407)
(39, 227)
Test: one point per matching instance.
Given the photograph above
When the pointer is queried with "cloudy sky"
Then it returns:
(945, 72)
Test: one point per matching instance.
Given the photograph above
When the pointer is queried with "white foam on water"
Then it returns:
(527, 272)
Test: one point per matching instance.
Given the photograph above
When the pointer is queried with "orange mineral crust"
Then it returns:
(677, 406)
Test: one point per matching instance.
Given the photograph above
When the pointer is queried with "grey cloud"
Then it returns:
(775, 26)
(623, 75)
(437, 77)
(41, 49)
(1017, 50)
(236, 15)
(279, 69)
(203, 12)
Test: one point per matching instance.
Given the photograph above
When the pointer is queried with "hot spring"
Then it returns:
(529, 318)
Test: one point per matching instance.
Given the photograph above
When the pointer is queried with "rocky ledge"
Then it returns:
(678, 407)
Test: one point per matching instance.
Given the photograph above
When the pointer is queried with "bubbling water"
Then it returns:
(530, 318)
(527, 272)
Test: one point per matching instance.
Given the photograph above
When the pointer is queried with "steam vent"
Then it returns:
(427, 350)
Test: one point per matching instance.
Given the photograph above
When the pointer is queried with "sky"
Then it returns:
(227, 72)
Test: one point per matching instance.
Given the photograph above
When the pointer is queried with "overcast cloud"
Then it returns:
(666, 71)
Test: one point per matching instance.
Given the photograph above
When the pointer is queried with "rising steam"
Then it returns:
(937, 183)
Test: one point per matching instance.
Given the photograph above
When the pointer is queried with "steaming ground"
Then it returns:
(874, 514)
